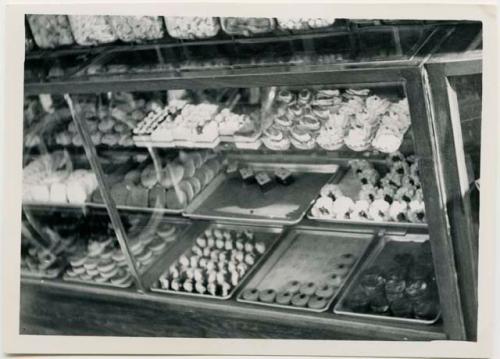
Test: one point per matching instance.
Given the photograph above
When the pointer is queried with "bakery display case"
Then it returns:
(274, 176)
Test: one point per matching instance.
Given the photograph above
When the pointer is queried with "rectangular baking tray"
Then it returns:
(306, 254)
(350, 186)
(379, 257)
(138, 209)
(269, 235)
(35, 275)
(228, 198)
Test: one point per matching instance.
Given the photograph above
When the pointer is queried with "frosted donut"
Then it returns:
(324, 290)
(293, 286)
(317, 302)
(304, 96)
(285, 96)
(300, 300)
(308, 288)
(267, 295)
(250, 294)
(284, 298)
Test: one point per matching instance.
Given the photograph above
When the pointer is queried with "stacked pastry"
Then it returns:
(304, 23)
(50, 31)
(137, 28)
(396, 196)
(247, 26)
(189, 28)
(215, 264)
(233, 126)
(91, 30)
(299, 118)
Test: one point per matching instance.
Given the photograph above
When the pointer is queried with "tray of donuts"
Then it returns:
(396, 283)
(217, 260)
(308, 269)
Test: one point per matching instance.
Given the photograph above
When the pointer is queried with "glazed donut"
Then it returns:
(334, 279)
(293, 286)
(308, 288)
(284, 298)
(300, 300)
(250, 294)
(295, 111)
(325, 291)
(317, 302)
(267, 295)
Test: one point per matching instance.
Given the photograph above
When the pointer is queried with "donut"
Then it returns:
(334, 279)
(325, 290)
(310, 123)
(341, 269)
(145, 255)
(308, 288)
(300, 300)
(347, 259)
(92, 272)
(90, 264)
(317, 302)
(304, 96)
(285, 96)
(121, 277)
(284, 298)
(157, 245)
(250, 294)
(267, 295)
(109, 274)
(293, 286)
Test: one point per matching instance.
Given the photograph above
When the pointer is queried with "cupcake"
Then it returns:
(323, 208)
(360, 210)
(416, 211)
(332, 191)
(386, 193)
(368, 193)
(379, 210)
(342, 207)
(368, 176)
(398, 212)
(359, 165)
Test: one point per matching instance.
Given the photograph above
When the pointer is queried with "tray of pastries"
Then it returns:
(217, 261)
(377, 193)
(396, 283)
(307, 270)
(277, 193)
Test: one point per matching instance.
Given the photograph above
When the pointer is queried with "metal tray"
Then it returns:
(269, 235)
(228, 198)
(31, 274)
(381, 255)
(139, 209)
(94, 283)
(306, 254)
(350, 186)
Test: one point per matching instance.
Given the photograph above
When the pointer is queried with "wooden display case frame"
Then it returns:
(449, 253)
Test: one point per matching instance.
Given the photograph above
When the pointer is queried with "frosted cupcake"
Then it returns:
(342, 207)
(360, 210)
(398, 212)
(368, 193)
(379, 210)
(323, 208)
(416, 211)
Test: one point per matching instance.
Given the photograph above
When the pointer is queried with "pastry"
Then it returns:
(325, 291)
(334, 279)
(148, 177)
(308, 288)
(264, 181)
(247, 175)
(360, 210)
(347, 258)
(379, 305)
(284, 176)
(323, 208)
(176, 199)
(301, 139)
(317, 302)
(379, 210)
(157, 197)
(293, 286)
(267, 295)
(187, 188)
(310, 123)
(300, 299)
(275, 139)
(285, 96)
(416, 211)
(342, 208)
(341, 269)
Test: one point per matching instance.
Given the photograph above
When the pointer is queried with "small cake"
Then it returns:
(284, 176)
(247, 175)
(264, 181)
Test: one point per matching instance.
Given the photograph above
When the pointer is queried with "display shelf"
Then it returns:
(173, 308)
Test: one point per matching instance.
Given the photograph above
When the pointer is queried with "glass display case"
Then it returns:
(282, 176)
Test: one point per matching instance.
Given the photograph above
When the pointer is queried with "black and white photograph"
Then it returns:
(300, 178)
